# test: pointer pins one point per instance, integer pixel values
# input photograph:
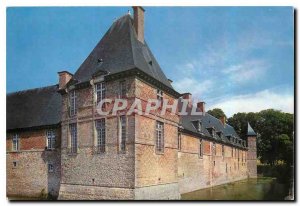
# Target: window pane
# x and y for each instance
(100, 92)
(123, 132)
(73, 131)
(159, 137)
(100, 127)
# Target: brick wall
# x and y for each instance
(195, 172)
(156, 173)
(30, 175)
(91, 171)
(251, 157)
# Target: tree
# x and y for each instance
(275, 133)
(218, 113)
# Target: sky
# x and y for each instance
(239, 59)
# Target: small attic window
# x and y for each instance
(199, 126)
(100, 60)
(212, 132)
(150, 62)
(220, 134)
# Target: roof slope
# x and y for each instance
(119, 50)
(32, 108)
(208, 121)
(250, 131)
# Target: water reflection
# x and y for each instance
(250, 189)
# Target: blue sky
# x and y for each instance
(234, 58)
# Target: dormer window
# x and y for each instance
(212, 132)
(159, 94)
(199, 126)
(220, 134)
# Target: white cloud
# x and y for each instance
(196, 87)
(256, 102)
(246, 71)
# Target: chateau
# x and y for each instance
(57, 142)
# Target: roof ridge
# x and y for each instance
(219, 119)
(31, 89)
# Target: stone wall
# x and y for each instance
(30, 176)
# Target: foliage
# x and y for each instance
(218, 113)
(275, 134)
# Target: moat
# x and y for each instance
(249, 189)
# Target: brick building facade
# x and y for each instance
(58, 143)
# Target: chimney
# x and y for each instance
(201, 107)
(138, 14)
(64, 78)
(187, 96)
(223, 120)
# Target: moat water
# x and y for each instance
(249, 189)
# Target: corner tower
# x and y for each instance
(251, 154)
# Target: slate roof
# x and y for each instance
(120, 50)
(33, 108)
(250, 131)
(209, 121)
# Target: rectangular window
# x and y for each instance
(223, 150)
(15, 141)
(100, 128)
(179, 141)
(14, 164)
(159, 136)
(238, 155)
(73, 106)
(199, 126)
(100, 92)
(201, 149)
(122, 133)
(122, 89)
(231, 151)
(73, 132)
(50, 168)
(214, 149)
(50, 139)
(159, 95)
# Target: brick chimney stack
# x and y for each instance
(64, 78)
(223, 120)
(188, 96)
(138, 14)
(201, 107)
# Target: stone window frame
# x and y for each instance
(51, 139)
(100, 91)
(214, 149)
(159, 137)
(72, 103)
(15, 142)
(160, 95)
(122, 133)
(100, 126)
(73, 128)
(201, 147)
(50, 168)
(179, 141)
(223, 151)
